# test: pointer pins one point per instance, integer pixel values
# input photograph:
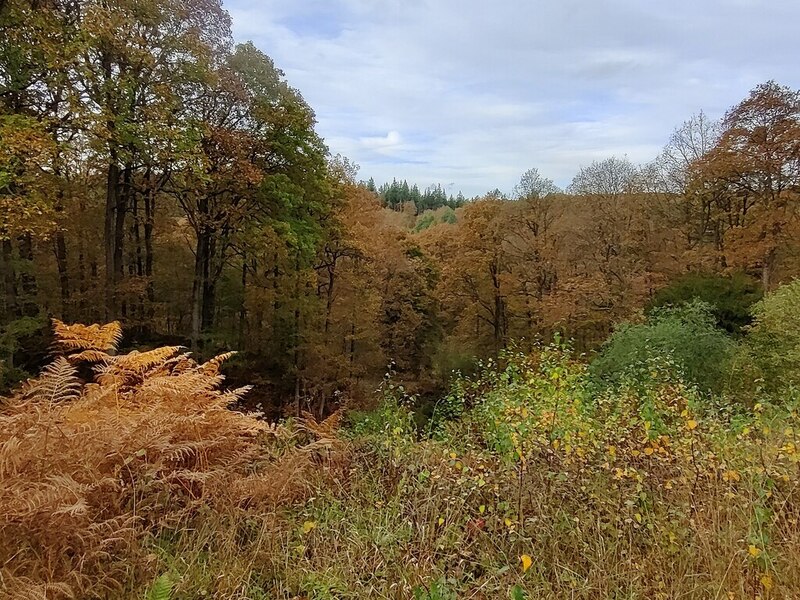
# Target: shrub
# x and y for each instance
(773, 342)
(731, 298)
(686, 335)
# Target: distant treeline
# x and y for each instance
(394, 195)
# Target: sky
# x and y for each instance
(471, 94)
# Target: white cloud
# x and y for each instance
(383, 144)
(483, 91)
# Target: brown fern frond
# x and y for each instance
(212, 366)
(122, 369)
(140, 362)
(24, 588)
(58, 383)
(321, 429)
(77, 337)
(89, 356)
(235, 395)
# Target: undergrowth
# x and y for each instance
(128, 477)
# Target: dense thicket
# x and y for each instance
(153, 172)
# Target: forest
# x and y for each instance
(232, 368)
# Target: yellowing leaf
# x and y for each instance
(731, 475)
(482, 508)
(691, 424)
(440, 521)
(766, 581)
(527, 561)
(753, 551)
(638, 517)
(308, 526)
(648, 451)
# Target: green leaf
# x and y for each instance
(517, 593)
(161, 589)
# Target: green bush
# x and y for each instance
(687, 336)
(773, 341)
(731, 297)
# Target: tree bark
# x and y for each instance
(29, 305)
(201, 264)
(63, 273)
(112, 204)
(9, 281)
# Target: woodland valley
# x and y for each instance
(231, 368)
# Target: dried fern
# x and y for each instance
(90, 469)
(77, 337)
(57, 383)
(212, 366)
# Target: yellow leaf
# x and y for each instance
(648, 451)
(638, 517)
(527, 561)
(508, 522)
(691, 424)
(308, 526)
(482, 508)
(754, 551)
(730, 475)
(440, 521)
(766, 581)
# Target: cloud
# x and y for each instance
(440, 91)
(382, 144)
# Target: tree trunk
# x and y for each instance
(60, 249)
(243, 310)
(149, 208)
(119, 234)
(766, 270)
(9, 282)
(112, 203)
(63, 274)
(329, 296)
(29, 305)
(199, 285)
